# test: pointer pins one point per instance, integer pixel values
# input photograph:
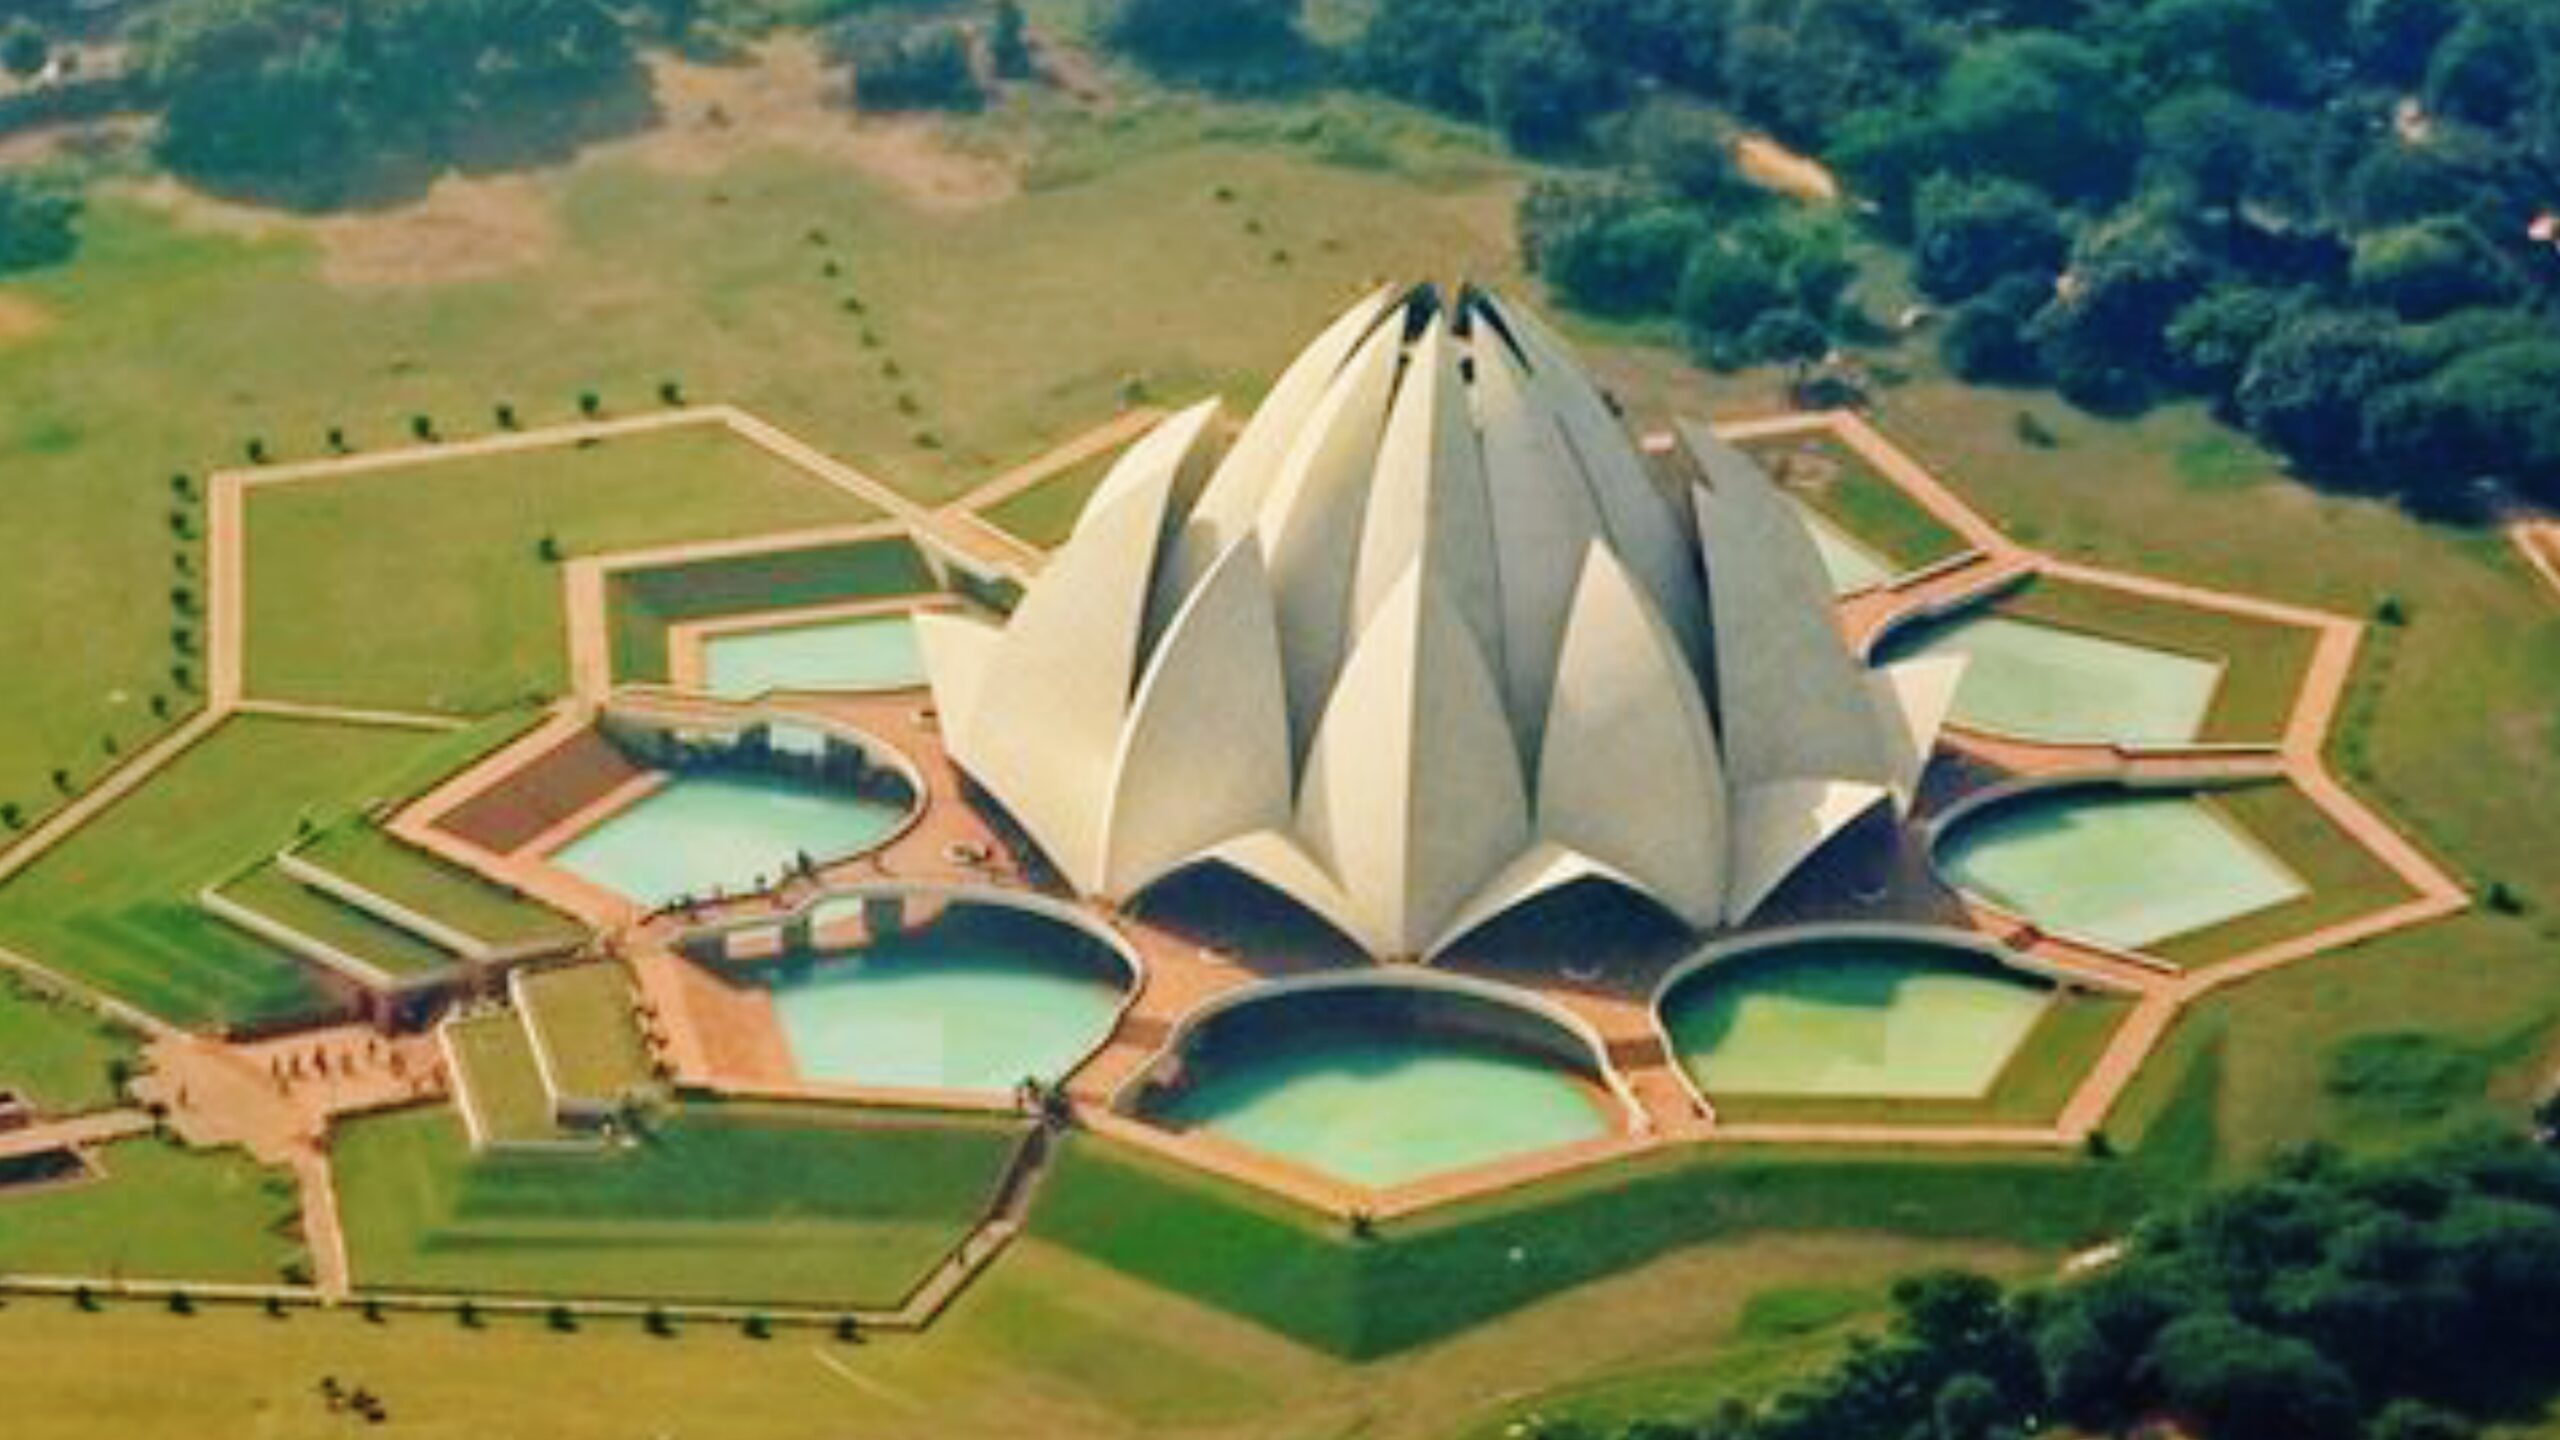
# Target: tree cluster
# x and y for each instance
(39, 219)
(2333, 1301)
(2128, 199)
(1235, 42)
(902, 64)
(303, 93)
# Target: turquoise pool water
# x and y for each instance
(869, 652)
(701, 832)
(1847, 560)
(1852, 1018)
(963, 1006)
(2121, 867)
(2042, 682)
(1382, 1106)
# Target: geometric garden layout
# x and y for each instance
(684, 984)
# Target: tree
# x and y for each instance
(1009, 41)
(2241, 1381)
(2395, 38)
(898, 66)
(1428, 50)
(1968, 235)
(39, 221)
(1786, 336)
(2042, 108)
(1190, 34)
(2206, 143)
(2104, 335)
(2212, 336)
(2416, 1420)
(1985, 340)
(1627, 264)
(2429, 268)
(2243, 45)
(1683, 148)
(24, 49)
(1542, 87)
(1725, 287)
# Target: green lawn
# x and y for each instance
(436, 597)
(159, 1213)
(749, 1204)
(411, 877)
(581, 1017)
(2030, 1090)
(499, 1078)
(2263, 663)
(1447, 1270)
(1836, 481)
(56, 1052)
(115, 904)
(288, 902)
(1045, 515)
(645, 602)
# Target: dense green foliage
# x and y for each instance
(900, 65)
(2389, 1300)
(2330, 217)
(306, 95)
(39, 218)
(1226, 40)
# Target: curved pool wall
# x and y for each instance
(1384, 1080)
(2055, 684)
(859, 654)
(744, 798)
(2115, 865)
(1842, 1011)
(788, 949)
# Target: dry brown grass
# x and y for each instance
(1765, 162)
(22, 319)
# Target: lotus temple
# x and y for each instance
(1431, 779)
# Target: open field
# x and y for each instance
(581, 1016)
(725, 1203)
(402, 873)
(472, 620)
(56, 1052)
(1046, 513)
(1836, 481)
(114, 905)
(235, 1219)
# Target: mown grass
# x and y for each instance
(1837, 482)
(498, 1078)
(2344, 879)
(1045, 515)
(114, 905)
(642, 604)
(159, 1212)
(748, 1204)
(1445, 1271)
(411, 877)
(288, 902)
(2031, 1088)
(437, 594)
(581, 1017)
(57, 1053)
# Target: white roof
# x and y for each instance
(1428, 647)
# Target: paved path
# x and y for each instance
(349, 715)
(2538, 540)
(79, 1132)
(1120, 430)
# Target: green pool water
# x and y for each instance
(964, 1006)
(1847, 560)
(1382, 1106)
(701, 832)
(870, 652)
(2125, 868)
(2042, 682)
(1852, 1018)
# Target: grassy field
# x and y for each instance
(581, 1017)
(643, 603)
(1046, 513)
(56, 1052)
(409, 876)
(752, 1205)
(2345, 879)
(114, 905)
(2030, 1090)
(288, 902)
(472, 621)
(236, 1219)
(499, 1078)
(1848, 492)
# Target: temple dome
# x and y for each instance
(1427, 641)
